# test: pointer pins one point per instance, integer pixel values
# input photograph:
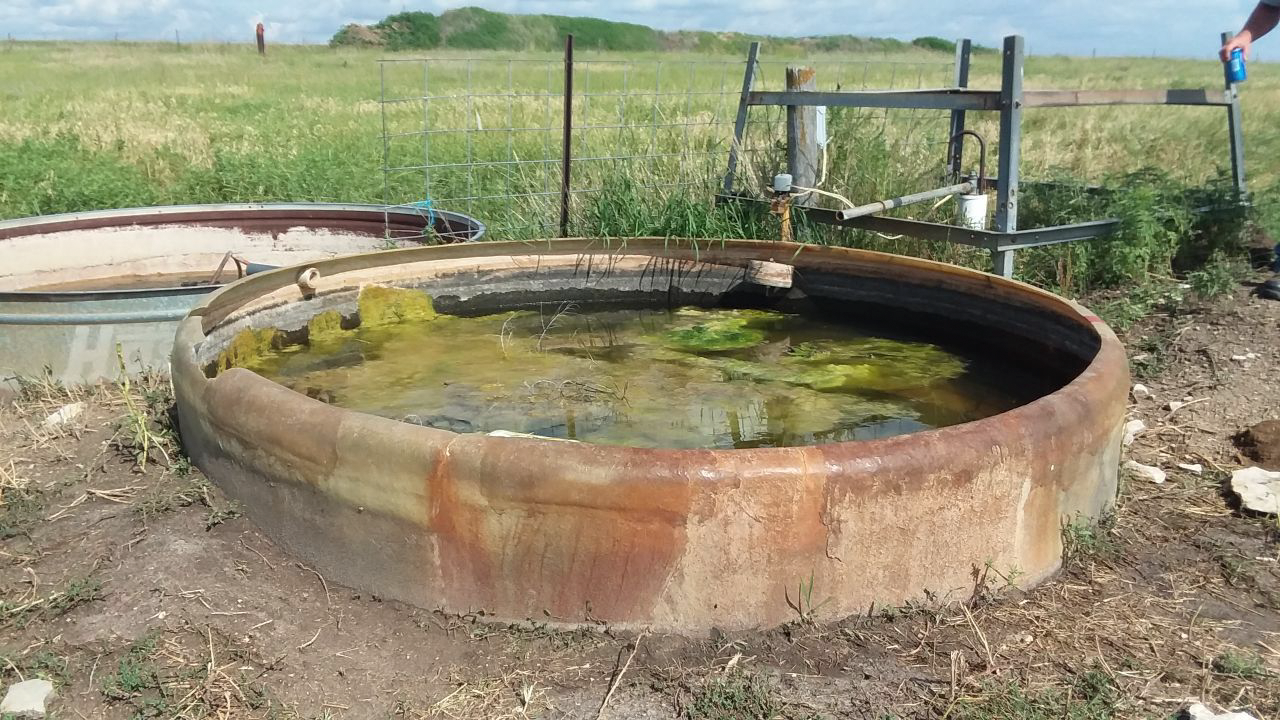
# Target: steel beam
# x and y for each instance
(740, 123)
(1010, 150)
(955, 160)
(935, 99)
(1235, 131)
(1040, 237)
(1086, 98)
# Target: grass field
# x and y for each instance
(108, 125)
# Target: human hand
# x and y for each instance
(1242, 40)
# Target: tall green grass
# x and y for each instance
(85, 126)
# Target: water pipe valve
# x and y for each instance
(781, 203)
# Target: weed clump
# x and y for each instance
(736, 695)
(1240, 664)
(1092, 695)
(1085, 538)
(1164, 227)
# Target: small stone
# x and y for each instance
(1150, 472)
(1131, 430)
(1141, 392)
(63, 415)
(26, 699)
(1197, 711)
(1193, 468)
(1259, 489)
(1174, 405)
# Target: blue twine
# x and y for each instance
(431, 213)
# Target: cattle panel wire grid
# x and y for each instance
(484, 136)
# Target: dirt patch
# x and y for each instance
(1261, 443)
(144, 594)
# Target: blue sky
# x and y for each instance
(1114, 27)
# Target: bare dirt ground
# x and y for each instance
(145, 594)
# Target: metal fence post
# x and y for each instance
(963, 49)
(1235, 132)
(1010, 150)
(566, 158)
(802, 132)
(740, 124)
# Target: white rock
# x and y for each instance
(514, 434)
(1141, 392)
(1245, 357)
(1174, 405)
(1194, 469)
(1150, 472)
(26, 699)
(63, 415)
(1131, 430)
(1259, 489)
(1197, 711)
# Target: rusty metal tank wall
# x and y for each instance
(72, 334)
(676, 539)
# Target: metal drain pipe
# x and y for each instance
(882, 205)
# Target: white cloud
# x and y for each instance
(1114, 27)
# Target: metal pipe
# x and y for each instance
(957, 140)
(566, 159)
(882, 205)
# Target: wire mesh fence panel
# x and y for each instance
(484, 136)
(477, 136)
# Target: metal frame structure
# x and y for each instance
(1009, 101)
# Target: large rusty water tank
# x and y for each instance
(681, 539)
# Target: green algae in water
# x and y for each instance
(685, 378)
(248, 348)
(714, 332)
(380, 305)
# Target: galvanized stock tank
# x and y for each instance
(74, 286)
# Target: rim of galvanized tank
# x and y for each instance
(1107, 367)
(360, 215)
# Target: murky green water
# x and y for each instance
(684, 379)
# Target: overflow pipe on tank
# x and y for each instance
(781, 203)
(971, 206)
(882, 205)
(307, 280)
(973, 185)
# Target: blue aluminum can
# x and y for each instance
(1235, 68)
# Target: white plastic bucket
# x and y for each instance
(972, 211)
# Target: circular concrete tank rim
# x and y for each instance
(679, 539)
(1106, 336)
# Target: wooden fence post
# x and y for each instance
(802, 133)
